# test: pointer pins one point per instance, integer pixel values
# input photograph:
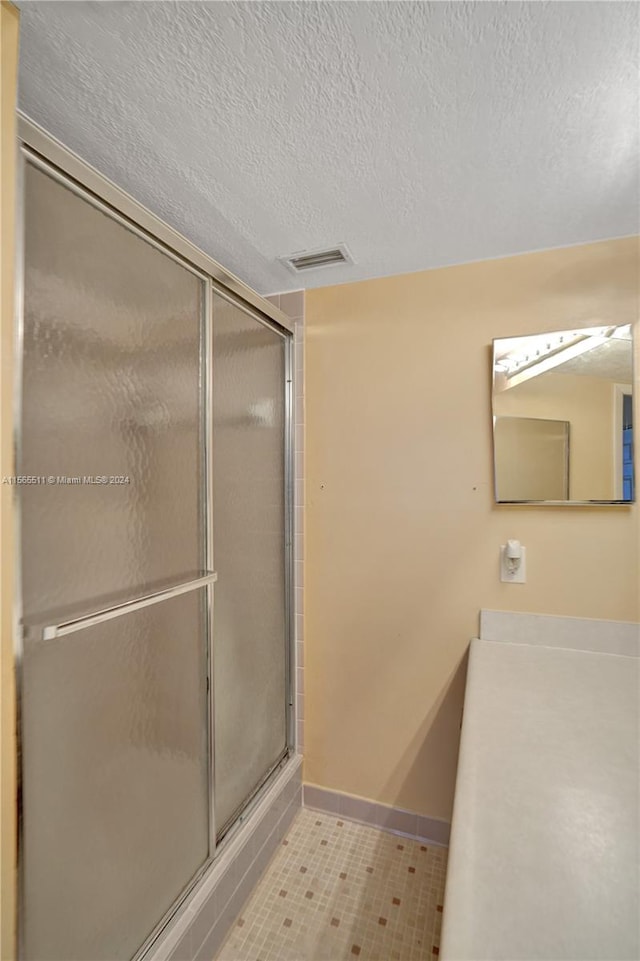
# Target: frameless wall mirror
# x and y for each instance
(563, 417)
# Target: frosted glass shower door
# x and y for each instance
(250, 625)
(115, 717)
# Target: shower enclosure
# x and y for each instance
(155, 529)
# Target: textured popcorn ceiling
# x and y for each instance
(420, 134)
(612, 360)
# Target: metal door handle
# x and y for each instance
(107, 613)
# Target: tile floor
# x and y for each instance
(337, 890)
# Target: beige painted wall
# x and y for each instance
(587, 403)
(8, 67)
(402, 536)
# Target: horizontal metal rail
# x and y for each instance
(107, 613)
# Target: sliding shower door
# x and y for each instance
(115, 594)
(251, 623)
(153, 433)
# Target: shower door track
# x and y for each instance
(42, 150)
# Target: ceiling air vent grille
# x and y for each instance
(312, 259)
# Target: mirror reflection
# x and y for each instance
(563, 416)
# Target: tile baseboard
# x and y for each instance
(394, 820)
(200, 926)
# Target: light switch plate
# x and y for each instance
(519, 576)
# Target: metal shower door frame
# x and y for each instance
(37, 147)
(254, 797)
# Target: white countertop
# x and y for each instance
(544, 860)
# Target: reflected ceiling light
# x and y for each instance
(548, 351)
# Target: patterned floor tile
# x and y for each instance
(337, 891)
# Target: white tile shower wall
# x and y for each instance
(396, 820)
(205, 919)
(292, 304)
(571, 633)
